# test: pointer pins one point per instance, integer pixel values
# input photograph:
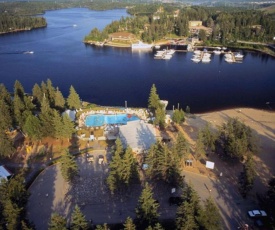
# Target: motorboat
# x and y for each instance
(205, 60)
(157, 46)
(238, 56)
(141, 46)
(167, 56)
(196, 60)
(171, 51)
(197, 52)
(217, 52)
(29, 52)
(229, 60)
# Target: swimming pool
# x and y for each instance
(95, 120)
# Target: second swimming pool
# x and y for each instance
(95, 120)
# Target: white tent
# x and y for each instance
(138, 135)
(70, 113)
(4, 173)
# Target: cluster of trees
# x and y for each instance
(191, 214)
(10, 23)
(123, 167)
(13, 201)
(38, 116)
(156, 107)
(227, 25)
(164, 162)
(234, 141)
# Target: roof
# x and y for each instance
(138, 135)
(4, 173)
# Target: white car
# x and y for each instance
(257, 213)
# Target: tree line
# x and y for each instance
(227, 25)
(38, 115)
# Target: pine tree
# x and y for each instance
(178, 116)
(188, 211)
(11, 214)
(18, 108)
(129, 225)
(57, 124)
(5, 95)
(19, 89)
(5, 116)
(157, 226)
(33, 128)
(68, 126)
(69, 167)
(73, 100)
(102, 227)
(129, 165)
(7, 148)
(59, 101)
(37, 94)
(147, 208)
(57, 222)
(51, 92)
(78, 221)
(182, 146)
(209, 217)
(154, 101)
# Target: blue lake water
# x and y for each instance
(111, 76)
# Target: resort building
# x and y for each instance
(196, 26)
(122, 36)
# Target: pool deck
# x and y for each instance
(140, 113)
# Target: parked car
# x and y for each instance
(256, 213)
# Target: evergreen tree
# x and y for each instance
(11, 213)
(33, 128)
(178, 116)
(78, 221)
(208, 138)
(19, 90)
(57, 124)
(18, 108)
(7, 148)
(59, 101)
(147, 208)
(247, 177)
(68, 127)
(5, 95)
(182, 146)
(129, 225)
(209, 217)
(73, 100)
(200, 147)
(188, 211)
(37, 94)
(153, 102)
(50, 92)
(157, 226)
(102, 227)
(69, 167)
(129, 165)
(57, 222)
(5, 116)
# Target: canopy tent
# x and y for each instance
(70, 113)
(4, 173)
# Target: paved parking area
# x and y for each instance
(50, 193)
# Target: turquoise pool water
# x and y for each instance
(95, 120)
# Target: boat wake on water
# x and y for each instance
(17, 52)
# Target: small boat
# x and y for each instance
(141, 46)
(196, 60)
(171, 51)
(197, 52)
(217, 52)
(29, 52)
(229, 60)
(224, 48)
(157, 46)
(238, 56)
(205, 60)
(167, 56)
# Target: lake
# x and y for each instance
(110, 76)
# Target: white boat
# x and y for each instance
(238, 56)
(217, 52)
(141, 46)
(229, 60)
(171, 51)
(196, 60)
(157, 46)
(29, 52)
(167, 56)
(207, 55)
(197, 52)
(224, 48)
(205, 60)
